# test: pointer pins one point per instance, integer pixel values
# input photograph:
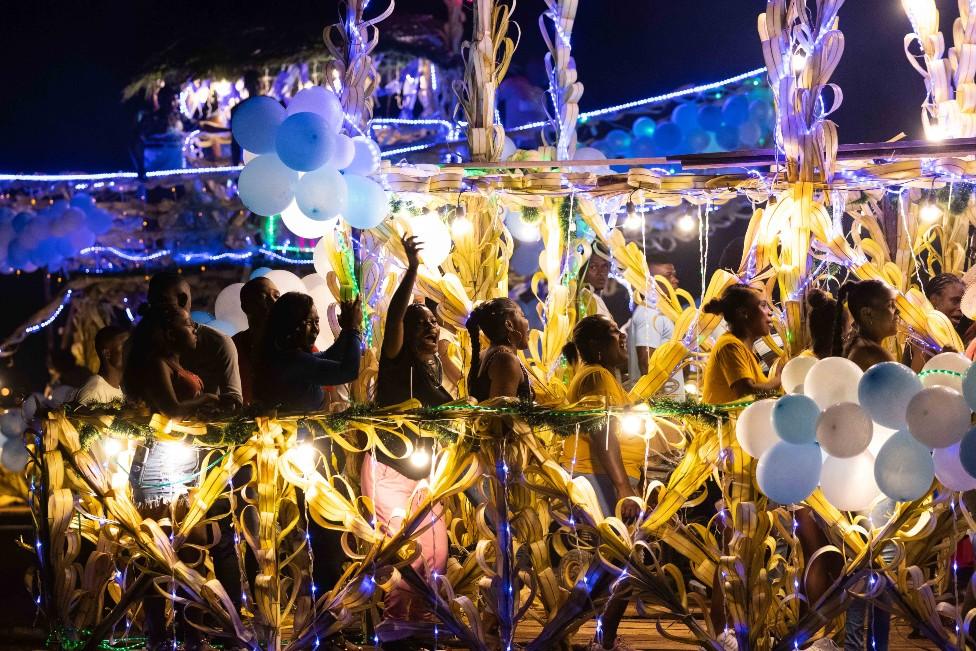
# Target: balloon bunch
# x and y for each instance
(303, 167)
(744, 120)
(229, 318)
(859, 435)
(46, 238)
(14, 423)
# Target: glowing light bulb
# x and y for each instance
(930, 213)
(304, 457)
(420, 458)
(631, 424)
(798, 61)
(691, 389)
(461, 227)
(687, 223)
(111, 447)
(633, 221)
(935, 132)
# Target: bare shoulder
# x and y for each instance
(867, 353)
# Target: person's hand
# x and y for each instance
(351, 314)
(629, 509)
(412, 248)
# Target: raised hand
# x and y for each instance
(351, 314)
(412, 248)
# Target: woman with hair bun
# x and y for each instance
(498, 372)
(733, 370)
(872, 307)
(821, 308)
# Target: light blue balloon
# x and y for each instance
(686, 116)
(904, 468)
(304, 141)
(226, 328)
(697, 140)
(368, 204)
(667, 138)
(727, 137)
(788, 473)
(969, 387)
(710, 117)
(643, 127)
(618, 139)
(795, 419)
(199, 316)
(255, 123)
(749, 134)
(260, 271)
(266, 185)
(643, 147)
(884, 391)
(967, 452)
(322, 194)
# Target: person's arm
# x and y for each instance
(505, 374)
(159, 380)
(452, 371)
(737, 368)
(350, 319)
(642, 332)
(337, 365)
(225, 353)
(748, 386)
(393, 332)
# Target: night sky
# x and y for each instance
(66, 64)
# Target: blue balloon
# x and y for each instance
(618, 140)
(266, 185)
(795, 418)
(967, 452)
(787, 473)
(667, 138)
(735, 111)
(727, 137)
(969, 387)
(904, 468)
(368, 204)
(760, 111)
(749, 134)
(83, 201)
(260, 271)
(305, 141)
(644, 127)
(255, 123)
(686, 116)
(322, 194)
(884, 391)
(710, 117)
(643, 147)
(21, 220)
(697, 140)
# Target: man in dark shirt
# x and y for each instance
(257, 297)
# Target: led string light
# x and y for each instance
(48, 321)
(237, 256)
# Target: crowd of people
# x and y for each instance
(179, 368)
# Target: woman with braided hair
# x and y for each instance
(498, 371)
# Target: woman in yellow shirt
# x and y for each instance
(733, 371)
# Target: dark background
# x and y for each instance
(66, 64)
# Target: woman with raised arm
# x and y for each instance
(409, 368)
(498, 372)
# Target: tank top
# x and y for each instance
(186, 385)
(480, 387)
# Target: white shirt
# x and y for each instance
(96, 389)
(649, 328)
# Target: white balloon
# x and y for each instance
(313, 280)
(323, 299)
(754, 428)
(14, 456)
(832, 380)
(949, 470)
(322, 194)
(286, 281)
(366, 157)
(343, 153)
(590, 153)
(319, 100)
(298, 223)
(795, 373)
(434, 236)
(227, 307)
(956, 363)
(62, 394)
(509, 149)
(320, 259)
(844, 430)
(849, 484)
(938, 417)
(521, 230)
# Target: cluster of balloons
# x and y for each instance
(742, 121)
(229, 318)
(13, 424)
(301, 167)
(859, 435)
(46, 238)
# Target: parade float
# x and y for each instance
(533, 556)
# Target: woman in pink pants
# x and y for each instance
(409, 368)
